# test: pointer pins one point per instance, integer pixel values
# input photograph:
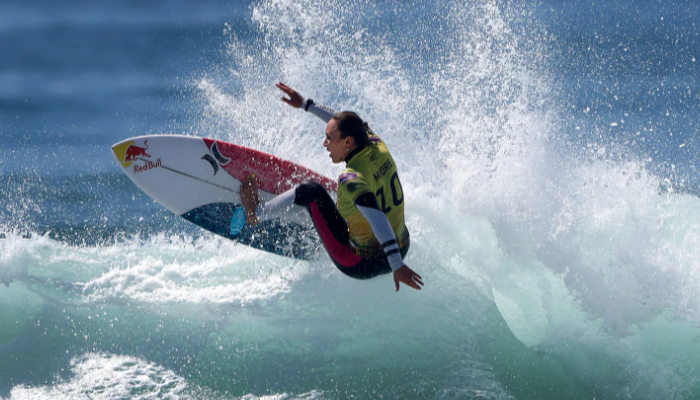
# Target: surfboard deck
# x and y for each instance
(199, 179)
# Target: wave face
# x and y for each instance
(547, 152)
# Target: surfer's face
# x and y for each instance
(337, 146)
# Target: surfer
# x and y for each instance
(365, 234)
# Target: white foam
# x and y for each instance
(108, 376)
(576, 249)
(98, 376)
(210, 270)
(313, 395)
(161, 269)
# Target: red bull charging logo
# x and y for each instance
(128, 152)
(133, 152)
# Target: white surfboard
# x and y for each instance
(199, 179)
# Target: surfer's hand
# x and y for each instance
(294, 99)
(407, 277)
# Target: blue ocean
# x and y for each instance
(548, 152)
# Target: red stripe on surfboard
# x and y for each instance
(273, 174)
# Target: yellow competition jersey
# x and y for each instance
(373, 170)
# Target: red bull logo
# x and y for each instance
(133, 152)
(128, 152)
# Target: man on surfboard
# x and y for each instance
(365, 234)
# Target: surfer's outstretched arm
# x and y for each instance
(369, 207)
(297, 101)
(318, 110)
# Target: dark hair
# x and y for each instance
(350, 124)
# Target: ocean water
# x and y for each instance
(548, 151)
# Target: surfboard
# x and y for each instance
(199, 179)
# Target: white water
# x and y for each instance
(549, 268)
(584, 257)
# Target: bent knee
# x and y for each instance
(308, 192)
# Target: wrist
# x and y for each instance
(395, 261)
(306, 104)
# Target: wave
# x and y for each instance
(553, 269)
(584, 253)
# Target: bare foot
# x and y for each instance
(249, 198)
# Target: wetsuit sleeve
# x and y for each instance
(276, 206)
(368, 206)
(318, 110)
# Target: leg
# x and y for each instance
(333, 230)
(328, 222)
(369, 268)
(250, 199)
(330, 225)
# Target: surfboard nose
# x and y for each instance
(119, 151)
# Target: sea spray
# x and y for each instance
(558, 263)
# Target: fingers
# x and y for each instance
(288, 91)
(295, 100)
(413, 284)
(281, 86)
(417, 281)
(414, 281)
